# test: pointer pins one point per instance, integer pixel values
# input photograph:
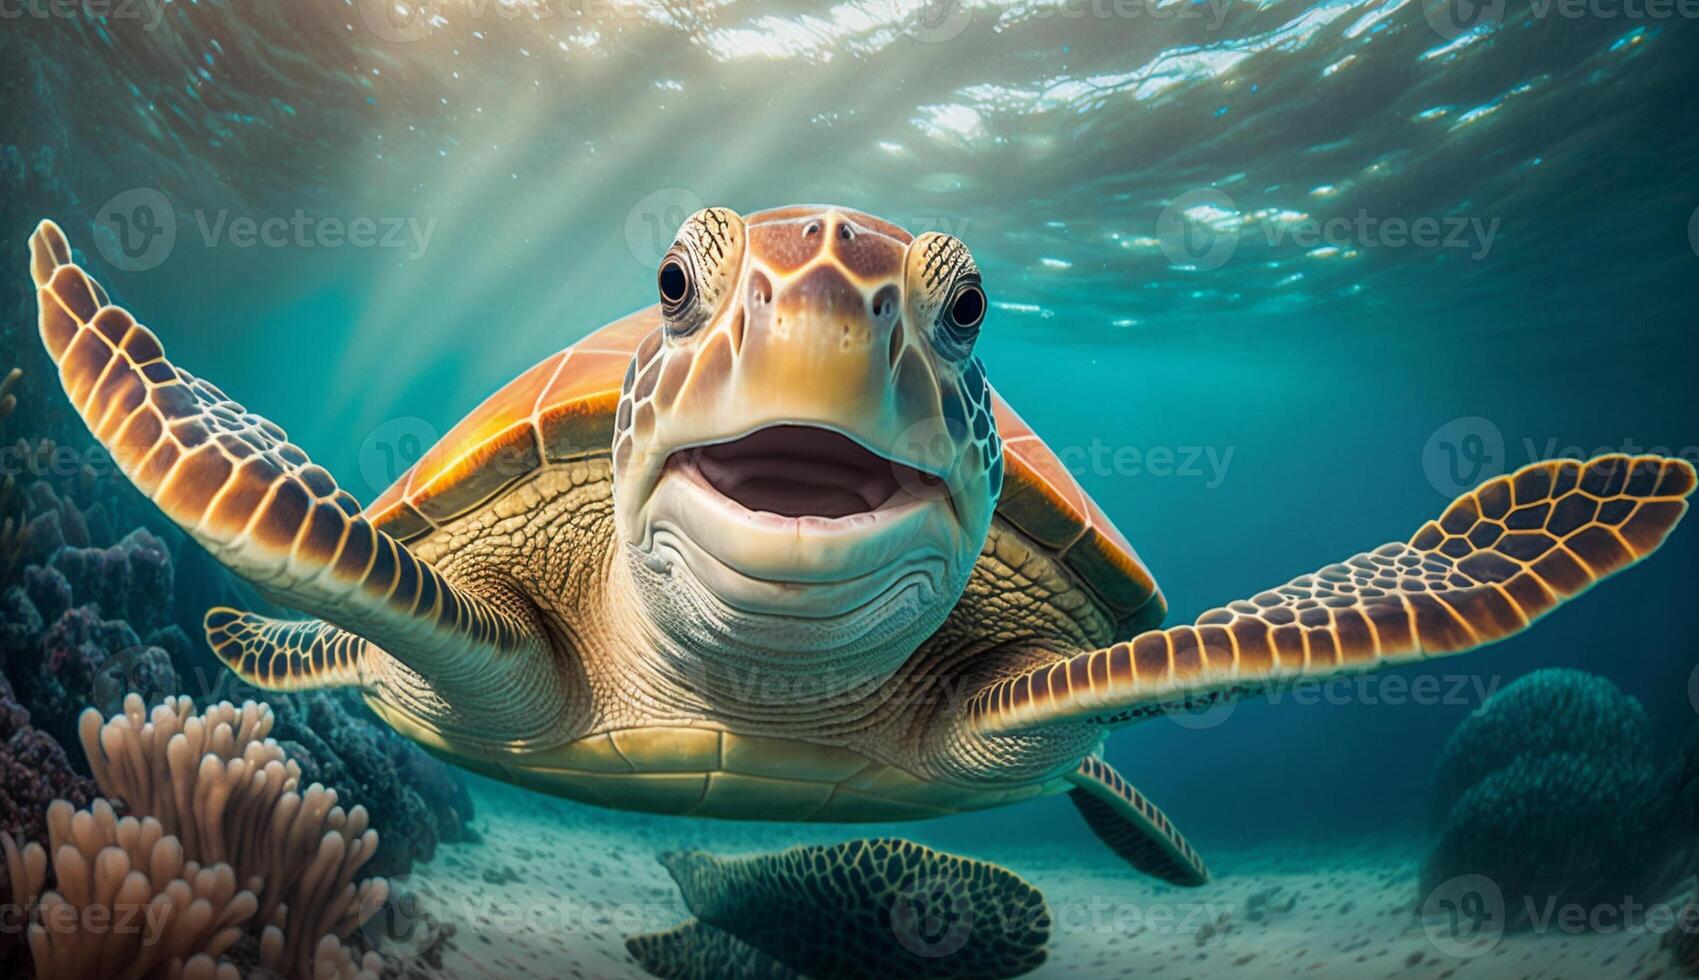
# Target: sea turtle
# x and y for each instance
(773, 548)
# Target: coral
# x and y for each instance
(84, 624)
(34, 771)
(1543, 713)
(128, 903)
(76, 606)
(224, 862)
(1681, 780)
(218, 784)
(1550, 791)
(1577, 828)
(73, 651)
(416, 800)
(130, 580)
(89, 617)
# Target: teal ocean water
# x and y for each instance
(1276, 279)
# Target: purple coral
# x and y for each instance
(85, 621)
(416, 801)
(34, 770)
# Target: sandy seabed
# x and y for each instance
(553, 889)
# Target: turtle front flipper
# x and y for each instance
(1132, 826)
(284, 655)
(1498, 559)
(234, 482)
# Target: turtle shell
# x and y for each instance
(563, 409)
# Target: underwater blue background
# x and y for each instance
(1348, 385)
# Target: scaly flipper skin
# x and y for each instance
(233, 481)
(289, 655)
(1132, 826)
(1494, 562)
(871, 908)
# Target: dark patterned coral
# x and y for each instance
(132, 580)
(1543, 713)
(90, 601)
(415, 800)
(34, 771)
(1572, 828)
(1550, 792)
(88, 615)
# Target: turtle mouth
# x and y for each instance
(799, 471)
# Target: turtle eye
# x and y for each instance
(676, 285)
(962, 313)
(943, 289)
(966, 309)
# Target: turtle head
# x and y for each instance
(805, 457)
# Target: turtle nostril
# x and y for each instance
(812, 228)
(845, 232)
(885, 303)
(760, 290)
